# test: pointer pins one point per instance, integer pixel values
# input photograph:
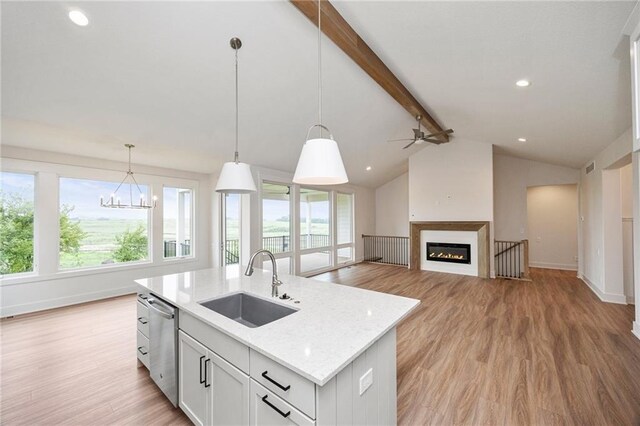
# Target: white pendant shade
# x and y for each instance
(320, 163)
(235, 178)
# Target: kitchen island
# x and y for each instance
(331, 361)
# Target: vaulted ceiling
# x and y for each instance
(160, 75)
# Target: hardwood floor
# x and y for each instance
(475, 352)
(494, 352)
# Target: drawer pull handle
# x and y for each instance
(284, 388)
(285, 415)
(201, 379)
(141, 351)
(142, 320)
(143, 296)
(206, 385)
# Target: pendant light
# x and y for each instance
(320, 162)
(236, 177)
(115, 201)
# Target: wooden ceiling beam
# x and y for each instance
(344, 36)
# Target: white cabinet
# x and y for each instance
(192, 394)
(268, 409)
(211, 391)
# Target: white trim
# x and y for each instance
(43, 305)
(636, 329)
(631, 300)
(561, 266)
(620, 299)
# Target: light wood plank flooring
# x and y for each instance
(475, 352)
(494, 352)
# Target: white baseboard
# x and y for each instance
(620, 299)
(636, 329)
(631, 300)
(561, 266)
(42, 305)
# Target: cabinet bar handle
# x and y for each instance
(201, 379)
(283, 414)
(140, 350)
(206, 385)
(284, 388)
(142, 320)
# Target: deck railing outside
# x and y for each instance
(170, 248)
(277, 244)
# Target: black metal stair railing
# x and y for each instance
(386, 249)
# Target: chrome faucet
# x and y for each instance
(275, 282)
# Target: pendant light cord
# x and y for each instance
(320, 66)
(235, 155)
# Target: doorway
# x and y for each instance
(552, 222)
(231, 232)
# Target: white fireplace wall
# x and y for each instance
(456, 237)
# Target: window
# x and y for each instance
(91, 235)
(276, 218)
(344, 220)
(276, 225)
(314, 219)
(17, 192)
(178, 218)
(231, 228)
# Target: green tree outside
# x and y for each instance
(131, 245)
(16, 234)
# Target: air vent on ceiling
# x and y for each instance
(590, 167)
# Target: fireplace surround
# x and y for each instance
(480, 228)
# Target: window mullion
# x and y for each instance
(46, 223)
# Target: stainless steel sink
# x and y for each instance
(248, 310)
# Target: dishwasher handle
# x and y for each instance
(151, 302)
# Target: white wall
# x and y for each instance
(552, 224)
(51, 288)
(392, 207)
(452, 182)
(626, 210)
(594, 203)
(512, 176)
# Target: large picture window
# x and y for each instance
(178, 219)
(91, 235)
(17, 192)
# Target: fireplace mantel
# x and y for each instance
(482, 228)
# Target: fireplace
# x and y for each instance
(449, 252)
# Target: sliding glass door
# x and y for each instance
(315, 230)
(277, 225)
(230, 229)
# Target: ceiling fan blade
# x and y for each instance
(409, 145)
(448, 131)
(436, 141)
(397, 140)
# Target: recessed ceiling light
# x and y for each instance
(79, 18)
(368, 168)
(522, 139)
(523, 83)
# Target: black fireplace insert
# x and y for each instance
(449, 252)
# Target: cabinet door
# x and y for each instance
(229, 393)
(268, 409)
(193, 395)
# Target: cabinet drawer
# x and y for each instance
(228, 348)
(290, 386)
(142, 349)
(142, 319)
(267, 409)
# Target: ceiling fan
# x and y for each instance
(419, 136)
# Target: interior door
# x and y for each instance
(193, 395)
(229, 393)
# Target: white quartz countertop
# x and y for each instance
(334, 323)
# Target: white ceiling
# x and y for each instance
(160, 75)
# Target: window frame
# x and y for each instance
(293, 244)
(47, 207)
(35, 238)
(193, 244)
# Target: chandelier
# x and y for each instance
(115, 202)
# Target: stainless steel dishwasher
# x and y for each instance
(163, 336)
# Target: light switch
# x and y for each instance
(366, 381)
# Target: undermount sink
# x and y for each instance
(248, 310)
